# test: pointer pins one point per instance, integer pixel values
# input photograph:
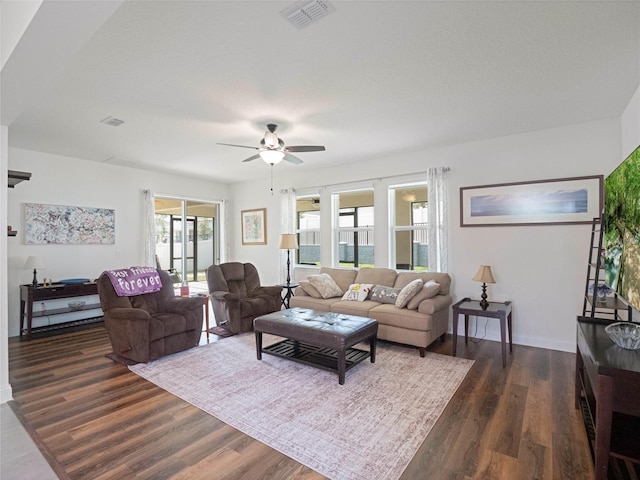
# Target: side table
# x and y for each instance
(501, 311)
(288, 293)
(205, 303)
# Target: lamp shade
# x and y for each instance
(288, 241)
(34, 262)
(484, 275)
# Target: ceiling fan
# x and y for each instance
(272, 149)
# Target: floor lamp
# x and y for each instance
(288, 242)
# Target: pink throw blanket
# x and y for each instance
(131, 281)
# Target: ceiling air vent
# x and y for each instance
(305, 12)
(111, 121)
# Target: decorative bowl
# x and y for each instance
(625, 334)
(77, 305)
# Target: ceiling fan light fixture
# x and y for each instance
(273, 151)
(272, 157)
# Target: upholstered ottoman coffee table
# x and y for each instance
(324, 340)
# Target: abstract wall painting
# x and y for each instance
(66, 225)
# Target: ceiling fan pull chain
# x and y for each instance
(272, 179)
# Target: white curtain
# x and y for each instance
(149, 226)
(287, 225)
(225, 242)
(438, 212)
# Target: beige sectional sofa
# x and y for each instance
(419, 327)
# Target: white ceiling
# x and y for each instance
(370, 80)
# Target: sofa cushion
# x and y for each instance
(342, 276)
(325, 285)
(429, 290)
(309, 289)
(360, 309)
(384, 294)
(358, 292)
(401, 317)
(319, 304)
(408, 292)
(376, 276)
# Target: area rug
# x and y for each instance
(369, 428)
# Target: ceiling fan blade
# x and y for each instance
(234, 145)
(292, 159)
(251, 158)
(305, 148)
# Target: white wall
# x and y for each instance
(5, 389)
(541, 269)
(250, 196)
(61, 180)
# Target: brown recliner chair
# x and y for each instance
(146, 327)
(237, 297)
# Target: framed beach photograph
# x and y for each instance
(558, 201)
(254, 226)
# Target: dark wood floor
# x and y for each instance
(95, 420)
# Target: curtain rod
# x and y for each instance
(446, 169)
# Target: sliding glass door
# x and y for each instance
(187, 238)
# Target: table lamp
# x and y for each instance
(485, 276)
(288, 242)
(35, 263)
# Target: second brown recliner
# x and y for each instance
(237, 296)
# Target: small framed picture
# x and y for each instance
(254, 226)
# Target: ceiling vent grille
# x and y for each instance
(111, 121)
(304, 13)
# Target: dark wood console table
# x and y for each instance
(30, 295)
(501, 311)
(607, 391)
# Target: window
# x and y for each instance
(308, 228)
(411, 217)
(409, 213)
(355, 229)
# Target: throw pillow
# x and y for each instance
(309, 289)
(429, 290)
(325, 285)
(383, 294)
(358, 292)
(408, 292)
